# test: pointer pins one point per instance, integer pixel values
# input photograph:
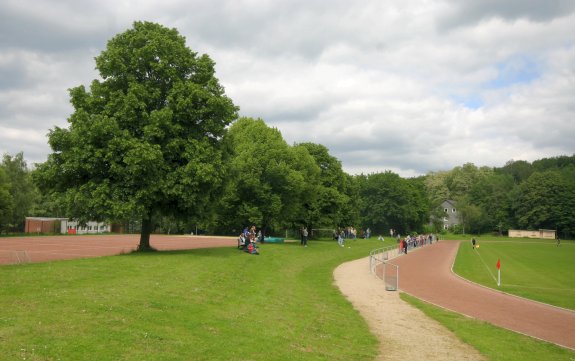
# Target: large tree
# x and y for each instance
(267, 181)
(492, 195)
(144, 141)
(6, 201)
(22, 190)
(389, 201)
(326, 205)
(546, 200)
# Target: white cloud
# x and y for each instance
(409, 86)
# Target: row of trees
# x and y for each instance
(267, 182)
(157, 142)
(521, 195)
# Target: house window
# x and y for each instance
(445, 226)
(445, 210)
(453, 210)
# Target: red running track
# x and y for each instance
(426, 274)
(52, 248)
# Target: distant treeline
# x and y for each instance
(277, 186)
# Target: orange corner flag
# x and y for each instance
(498, 264)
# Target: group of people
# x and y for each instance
(248, 239)
(351, 233)
(415, 241)
(341, 234)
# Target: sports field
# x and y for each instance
(535, 269)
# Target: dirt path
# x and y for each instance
(396, 323)
(426, 274)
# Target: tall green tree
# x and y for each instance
(520, 170)
(23, 191)
(268, 183)
(472, 218)
(145, 140)
(492, 194)
(462, 178)
(327, 204)
(6, 201)
(389, 201)
(436, 187)
(546, 200)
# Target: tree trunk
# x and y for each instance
(144, 245)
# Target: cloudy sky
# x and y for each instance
(410, 86)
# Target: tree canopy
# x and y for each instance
(389, 201)
(145, 140)
(267, 181)
(18, 193)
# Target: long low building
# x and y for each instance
(64, 226)
(542, 233)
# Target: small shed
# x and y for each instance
(43, 224)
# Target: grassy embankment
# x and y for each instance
(211, 304)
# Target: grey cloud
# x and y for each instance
(470, 12)
(371, 81)
(20, 29)
(13, 75)
(279, 28)
(35, 150)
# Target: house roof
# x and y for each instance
(452, 202)
(46, 219)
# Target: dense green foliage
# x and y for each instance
(18, 194)
(144, 141)
(519, 195)
(333, 200)
(267, 181)
(389, 201)
(216, 304)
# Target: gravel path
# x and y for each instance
(405, 333)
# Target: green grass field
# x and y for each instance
(534, 269)
(212, 304)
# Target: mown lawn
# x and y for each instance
(211, 304)
(535, 269)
